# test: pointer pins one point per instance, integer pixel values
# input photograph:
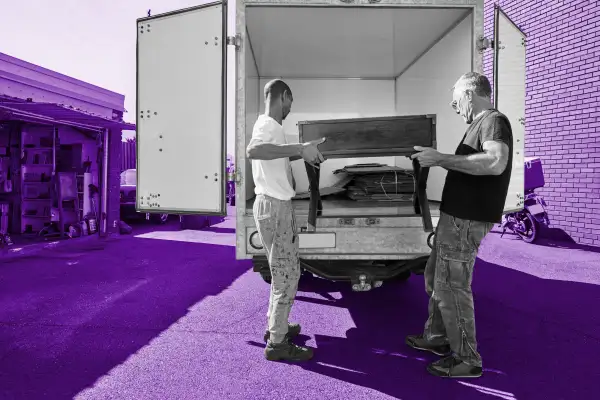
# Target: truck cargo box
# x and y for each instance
(376, 61)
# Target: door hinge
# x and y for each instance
(235, 41)
(484, 43)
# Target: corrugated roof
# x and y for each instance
(58, 114)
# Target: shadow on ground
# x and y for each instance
(555, 237)
(68, 317)
(537, 338)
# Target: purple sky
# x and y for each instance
(93, 41)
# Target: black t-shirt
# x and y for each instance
(479, 197)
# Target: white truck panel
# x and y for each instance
(509, 79)
(181, 112)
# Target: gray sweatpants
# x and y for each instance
(448, 277)
(276, 224)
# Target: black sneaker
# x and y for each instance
(452, 367)
(420, 343)
(287, 351)
(293, 331)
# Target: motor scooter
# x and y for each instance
(527, 222)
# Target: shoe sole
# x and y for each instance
(288, 359)
(267, 335)
(435, 373)
(437, 353)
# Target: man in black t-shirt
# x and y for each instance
(472, 201)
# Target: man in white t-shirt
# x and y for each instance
(274, 216)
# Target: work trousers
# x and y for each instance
(448, 278)
(276, 224)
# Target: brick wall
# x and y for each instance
(562, 105)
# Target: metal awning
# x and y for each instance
(57, 114)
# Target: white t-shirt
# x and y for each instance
(272, 177)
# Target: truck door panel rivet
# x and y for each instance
(205, 176)
(159, 149)
(160, 136)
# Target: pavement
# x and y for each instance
(170, 314)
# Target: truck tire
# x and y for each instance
(159, 219)
(404, 276)
(266, 277)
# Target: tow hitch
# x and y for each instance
(364, 284)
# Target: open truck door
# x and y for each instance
(509, 98)
(181, 111)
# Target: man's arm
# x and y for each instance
(258, 150)
(491, 162)
(496, 136)
(262, 146)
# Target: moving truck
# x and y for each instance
(350, 64)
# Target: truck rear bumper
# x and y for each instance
(363, 275)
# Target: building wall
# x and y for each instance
(114, 181)
(562, 112)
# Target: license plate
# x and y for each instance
(309, 240)
(535, 209)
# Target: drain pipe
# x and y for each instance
(104, 199)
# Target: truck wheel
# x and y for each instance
(159, 218)
(266, 277)
(404, 276)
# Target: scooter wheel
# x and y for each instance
(531, 221)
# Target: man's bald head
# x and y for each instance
(276, 88)
(278, 96)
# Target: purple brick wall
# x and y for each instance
(562, 105)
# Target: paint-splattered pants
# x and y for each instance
(448, 277)
(276, 224)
